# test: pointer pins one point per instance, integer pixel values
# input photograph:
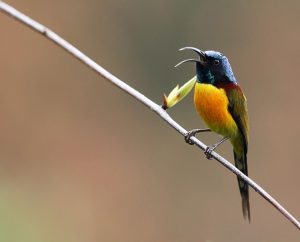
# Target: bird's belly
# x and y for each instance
(212, 105)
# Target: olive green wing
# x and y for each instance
(238, 109)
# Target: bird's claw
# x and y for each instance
(188, 135)
(208, 151)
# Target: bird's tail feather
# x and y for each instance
(241, 164)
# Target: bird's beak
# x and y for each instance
(202, 56)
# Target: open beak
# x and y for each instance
(202, 56)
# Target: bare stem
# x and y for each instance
(140, 97)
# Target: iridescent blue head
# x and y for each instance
(212, 67)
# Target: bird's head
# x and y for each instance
(211, 67)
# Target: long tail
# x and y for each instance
(241, 164)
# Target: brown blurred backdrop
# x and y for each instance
(81, 161)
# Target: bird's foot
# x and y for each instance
(208, 151)
(193, 132)
(188, 135)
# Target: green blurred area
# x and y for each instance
(82, 161)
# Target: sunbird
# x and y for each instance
(221, 104)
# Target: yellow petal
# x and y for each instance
(177, 94)
(174, 92)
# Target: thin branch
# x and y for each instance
(140, 97)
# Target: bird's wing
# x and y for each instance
(237, 107)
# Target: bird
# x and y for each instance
(220, 102)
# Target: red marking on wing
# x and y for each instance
(228, 86)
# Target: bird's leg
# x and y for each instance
(189, 134)
(210, 149)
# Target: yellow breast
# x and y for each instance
(212, 105)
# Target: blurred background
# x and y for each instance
(82, 161)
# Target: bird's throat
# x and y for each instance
(205, 76)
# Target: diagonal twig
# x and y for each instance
(140, 97)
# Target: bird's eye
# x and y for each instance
(216, 62)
